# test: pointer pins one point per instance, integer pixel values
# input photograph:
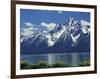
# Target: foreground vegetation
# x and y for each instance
(43, 64)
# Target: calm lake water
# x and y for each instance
(51, 58)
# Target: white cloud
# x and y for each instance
(49, 26)
(28, 31)
(32, 28)
(44, 24)
(28, 24)
(84, 22)
(60, 12)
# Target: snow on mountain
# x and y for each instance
(54, 37)
(49, 40)
(27, 33)
(70, 34)
(85, 26)
(75, 39)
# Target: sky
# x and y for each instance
(41, 19)
(34, 21)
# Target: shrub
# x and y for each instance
(59, 64)
(33, 66)
(24, 65)
(43, 64)
(85, 63)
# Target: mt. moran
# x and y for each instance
(70, 36)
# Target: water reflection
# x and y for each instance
(51, 58)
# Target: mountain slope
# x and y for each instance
(72, 36)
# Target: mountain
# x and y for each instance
(71, 36)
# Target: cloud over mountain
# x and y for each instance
(49, 26)
(28, 24)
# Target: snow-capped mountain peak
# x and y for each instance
(85, 26)
(69, 34)
(75, 39)
(53, 38)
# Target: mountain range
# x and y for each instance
(70, 36)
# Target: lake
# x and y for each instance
(51, 58)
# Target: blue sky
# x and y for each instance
(36, 17)
(33, 21)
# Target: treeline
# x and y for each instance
(43, 64)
